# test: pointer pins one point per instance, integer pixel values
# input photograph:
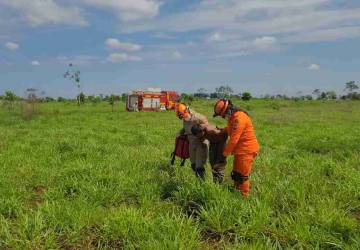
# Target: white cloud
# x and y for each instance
(265, 42)
(12, 46)
(325, 35)
(254, 18)
(35, 63)
(41, 12)
(236, 27)
(128, 10)
(162, 35)
(122, 57)
(230, 14)
(115, 44)
(177, 55)
(314, 67)
(215, 37)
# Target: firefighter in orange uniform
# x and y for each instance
(242, 143)
(198, 148)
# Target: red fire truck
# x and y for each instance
(151, 100)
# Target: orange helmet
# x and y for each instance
(221, 107)
(182, 111)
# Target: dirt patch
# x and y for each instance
(283, 240)
(209, 235)
(213, 237)
(37, 198)
(36, 201)
(357, 215)
(90, 238)
(40, 190)
(2, 146)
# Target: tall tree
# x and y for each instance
(202, 91)
(81, 98)
(10, 96)
(331, 95)
(74, 75)
(317, 93)
(111, 101)
(323, 96)
(350, 87)
(31, 97)
(224, 91)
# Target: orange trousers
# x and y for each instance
(243, 165)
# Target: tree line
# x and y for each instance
(32, 95)
(225, 91)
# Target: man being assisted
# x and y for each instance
(217, 138)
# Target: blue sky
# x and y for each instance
(261, 46)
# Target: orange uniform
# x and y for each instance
(244, 146)
(242, 135)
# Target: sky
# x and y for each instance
(261, 46)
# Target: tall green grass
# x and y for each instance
(85, 177)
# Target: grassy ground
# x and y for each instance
(85, 177)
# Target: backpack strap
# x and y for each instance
(172, 158)
(173, 154)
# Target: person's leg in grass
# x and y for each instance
(241, 172)
(192, 151)
(201, 158)
(217, 162)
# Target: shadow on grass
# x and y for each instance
(172, 185)
(90, 237)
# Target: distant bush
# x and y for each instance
(30, 104)
(111, 101)
(10, 98)
(186, 98)
(246, 96)
(275, 105)
(61, 99)
(351, 96)
(201, 95)
(331, 95)
(96, 100)
(81, 98)
(48, 99)
(124, 97)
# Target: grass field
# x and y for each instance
(85, 177)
